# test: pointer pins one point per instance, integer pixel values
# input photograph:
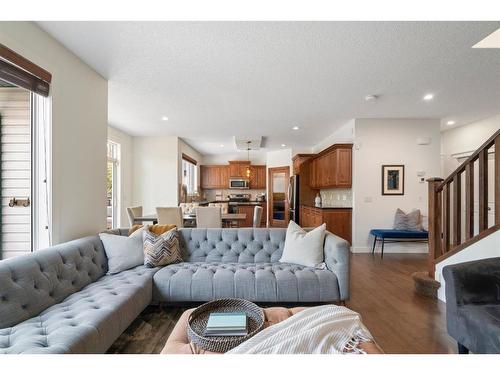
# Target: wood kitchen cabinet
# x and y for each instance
(298, 162)
(214, 176)
(337, 220)
(217, 176)
(332, 168)
(238, 168)
(257, 177)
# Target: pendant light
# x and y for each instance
(248, 172)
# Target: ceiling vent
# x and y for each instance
(245, 144)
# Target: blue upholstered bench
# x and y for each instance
(396, 235)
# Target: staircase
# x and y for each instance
(455, 221)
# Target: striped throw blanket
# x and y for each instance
(327, 329)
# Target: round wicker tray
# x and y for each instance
(198, 319)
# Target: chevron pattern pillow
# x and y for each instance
(160, 250)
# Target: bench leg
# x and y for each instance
(374, 242)
(383, 241)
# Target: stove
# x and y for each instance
(234, 199)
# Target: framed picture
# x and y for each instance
(393, 179)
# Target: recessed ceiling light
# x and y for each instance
(221, 145)
(164, 118)
(295, 128)
(283, 145)
(371, 97)
(428, 97)
(450, 123)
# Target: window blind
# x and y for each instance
(21, 72)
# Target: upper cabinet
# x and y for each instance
(299, 160)
(238, 168)
(257, 177)
(332, 168)
(217, 176)
(214, 176)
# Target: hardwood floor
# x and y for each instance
(400, 320)
(381, 291)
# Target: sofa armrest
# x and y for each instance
(337, 260)
(473, 282)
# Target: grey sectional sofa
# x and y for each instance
(60, 300)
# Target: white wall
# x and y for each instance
(390, 141)
(156, 172)
(464, 140)
(344, 134)
(485, 248)
(79, 100)
(125, 172)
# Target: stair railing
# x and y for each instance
(447, 234)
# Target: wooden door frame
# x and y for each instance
(270, 172)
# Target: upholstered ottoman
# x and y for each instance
(178, 342)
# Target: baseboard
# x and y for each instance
(395, 248)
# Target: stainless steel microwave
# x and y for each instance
(238, 183)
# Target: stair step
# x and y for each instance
(425, 285)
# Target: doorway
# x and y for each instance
(279, 179)
(112, 185)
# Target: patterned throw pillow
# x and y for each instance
(160, 250)
(410, 221)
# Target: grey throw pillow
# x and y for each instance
(123, 252)
(410, 221)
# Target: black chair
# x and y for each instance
(473, 305)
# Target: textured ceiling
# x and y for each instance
(216, 80)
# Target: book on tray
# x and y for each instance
(226, 324)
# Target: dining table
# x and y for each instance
(229, 217)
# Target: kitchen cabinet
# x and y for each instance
(249, 210)
(238, 168)
(332, 168)
(257, 177)
(214, 176)
(337, 220)
(217, 176)
(298, 162)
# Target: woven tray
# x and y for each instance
(198, 319)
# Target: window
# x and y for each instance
(112, 185)
(189, 177)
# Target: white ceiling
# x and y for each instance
(217, 80)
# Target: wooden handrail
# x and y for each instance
(471, 159)
(446, 235)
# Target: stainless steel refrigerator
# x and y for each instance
(293, 198)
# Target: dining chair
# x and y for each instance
(224, 207)
(257, 216)
(208, 217)
(170, 215)
(188, 208)
(132, 213)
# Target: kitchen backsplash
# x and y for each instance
(212, 195)
(336, 198)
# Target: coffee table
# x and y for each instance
(178, 342)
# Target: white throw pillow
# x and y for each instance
(304, 248)
(123, 252)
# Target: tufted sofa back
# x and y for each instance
(31, 283)
(242, 245)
